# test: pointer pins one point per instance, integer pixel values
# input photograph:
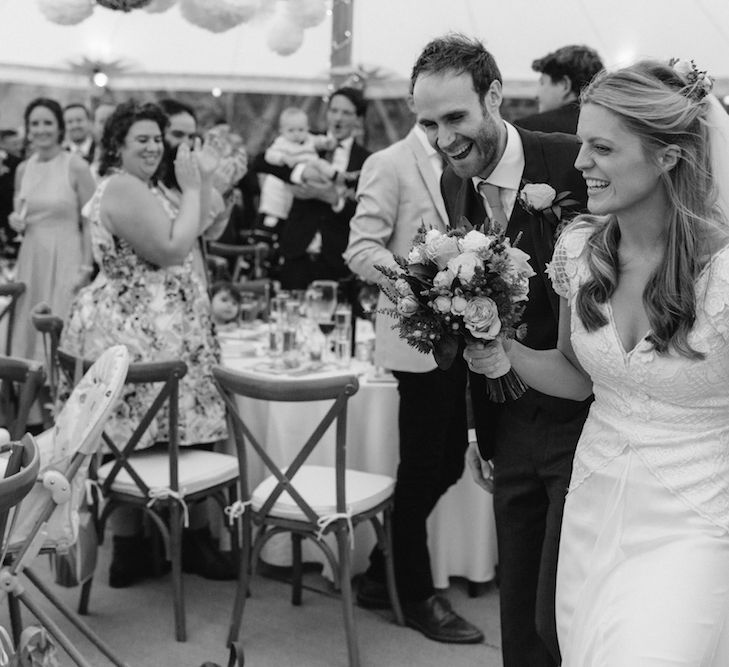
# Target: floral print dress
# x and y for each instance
(159, 314)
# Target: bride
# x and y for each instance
(643, 574)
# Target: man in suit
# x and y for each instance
(399, 191)
(321, 211)
(10, 151)
(457, 93)
(563, 74)
(79, 137)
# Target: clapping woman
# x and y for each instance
(147, 297)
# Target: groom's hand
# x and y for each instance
(482, 471)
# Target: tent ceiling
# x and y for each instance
(164, 51)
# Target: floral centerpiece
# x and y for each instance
(460, 285)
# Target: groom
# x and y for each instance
(456, 87)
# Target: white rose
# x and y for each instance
(443, 279)
(537, 196)
(417, 255)
(442, 249)
(432, 234)
(520, 262)
(458, 305)
(475, 241)
(464, 266)
(403, 287)
(442, 304)
(521, 291)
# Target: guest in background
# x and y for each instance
(294, 145)
(316, 233)
(563, 74)
(457, 92)
(79, 137)
(398, 192)
(225, 303)
(101, 114)
(11, 145)
(182, 130)
(148, 298)
(51, 188)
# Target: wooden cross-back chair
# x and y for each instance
(308, 501)
(21, 381)
(248, 259)
(49, 517)
(163, 484)
(12, 292)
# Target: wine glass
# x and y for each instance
(367, 298)
(322, 302)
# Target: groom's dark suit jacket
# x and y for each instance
(549, 158)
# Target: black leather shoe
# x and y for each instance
(200, 555)
(436, 620)
(372, 594)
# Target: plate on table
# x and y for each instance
(294, 370)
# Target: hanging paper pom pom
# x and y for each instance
(307, 13)
(159, 6)
(123, 5)
(284, 36)
(218, 15)
(66, 12)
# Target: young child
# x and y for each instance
(294, 145)
(225, 305)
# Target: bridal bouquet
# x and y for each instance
(463, 284)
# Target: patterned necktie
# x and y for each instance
(491, 193)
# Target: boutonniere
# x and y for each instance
(542, 200)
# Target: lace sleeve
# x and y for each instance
(716, 297)
(566, 270)
(557, 269)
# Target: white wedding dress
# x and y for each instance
(643, 572)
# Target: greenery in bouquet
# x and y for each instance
(460, 285)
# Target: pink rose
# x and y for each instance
(464, 266)
(441, 249)
(407, 306)
(481, 318)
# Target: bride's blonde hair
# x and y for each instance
(661, 108)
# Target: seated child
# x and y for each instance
(225, 305)
(294, 145)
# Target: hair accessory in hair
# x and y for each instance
(699, 83)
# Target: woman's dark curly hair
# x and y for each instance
(117, 127)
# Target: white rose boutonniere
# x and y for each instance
(542, 200)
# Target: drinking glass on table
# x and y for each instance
(248, 308)
(321, 304)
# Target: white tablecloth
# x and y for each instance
(462, 537)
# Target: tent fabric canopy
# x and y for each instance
(155, 51)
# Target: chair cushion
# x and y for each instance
(197, 470)
(317, 486)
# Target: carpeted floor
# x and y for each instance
(137, 622)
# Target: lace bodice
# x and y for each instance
(671, 410)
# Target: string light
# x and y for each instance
(216, 92)
(99, 79)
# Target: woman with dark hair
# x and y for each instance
(643, 574)
(51, 187)
(147, 297)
